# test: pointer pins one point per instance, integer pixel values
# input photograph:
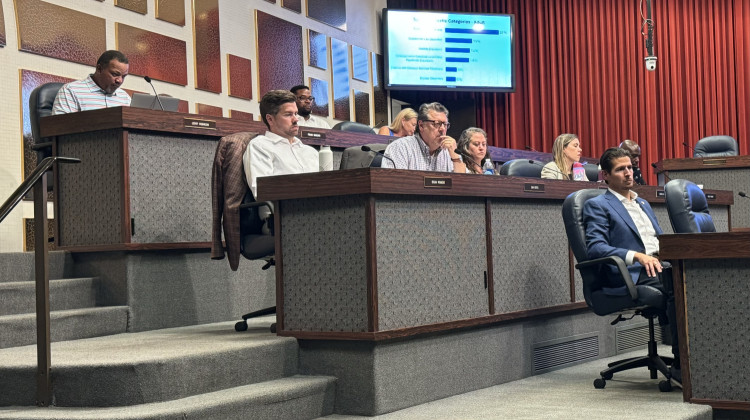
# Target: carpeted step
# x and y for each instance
(72, 324)
(19, 266)
(296, 397)
(20, 297)
(150, 366)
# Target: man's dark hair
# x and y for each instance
(110, 55)
(610, 155)
(272, 101)
(298, 88)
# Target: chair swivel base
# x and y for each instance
(653, 361)
(242, 325)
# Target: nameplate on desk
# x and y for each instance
(714, 162)
(533, 188)
(661, 194)
(438, 182)
(710, 196)
(312, 135)
(198, 123)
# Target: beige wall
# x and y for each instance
(237, 38)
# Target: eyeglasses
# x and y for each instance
(439, 124)
(306, 98)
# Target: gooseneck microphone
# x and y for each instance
(381, 153)
(148, 80)
(684, 143)
(742, 194)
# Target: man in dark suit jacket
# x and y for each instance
(620, 223)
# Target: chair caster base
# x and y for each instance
(600, 383)
(240, 326)
(665, 386)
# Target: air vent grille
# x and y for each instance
(557, 354)
(634, 336)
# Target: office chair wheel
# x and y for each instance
(665, 386)
(240, 326)
(273, 328)
(599, 383)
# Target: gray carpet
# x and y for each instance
(564, 394)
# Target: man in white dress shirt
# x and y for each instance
(278, 151)
(305, 101)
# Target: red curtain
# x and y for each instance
(580, 69)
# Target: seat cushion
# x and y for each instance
(604, 304)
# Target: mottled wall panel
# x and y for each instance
(138, 6)
(172, 11)
(2, 27)
(340, 69)
(280, 65)
(379, 97)
(318, 49)
(362, 107)
(208, 110)
(293, 5)
(207, 45)
(148, 52)
(58, 32)
(319, 89)
(240, 77)
(29, 81)
(241, 115)
(360, 64)
(331, 12)
(183, 107)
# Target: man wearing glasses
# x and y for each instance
(304, 108)
(430, 148)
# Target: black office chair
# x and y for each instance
(716, 146)
(40, 105)
(646, 301)
(522, 167)
(592, 171)
(354, 157)
(354, 127)
(687, 207)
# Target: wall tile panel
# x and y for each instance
(360, 64)
(241, 115)
(318, 49)
(207, 45)
(319, 89)
(330, 12)
(240, 77)
(280, 67)
(340, 69)
(362, 107)
(58, 32)
(379, 98)
(172, 11)
(149, 53)
(138, 6)
(2, 27)
(208, 110)
(293, 5)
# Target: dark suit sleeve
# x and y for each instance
(597, 220)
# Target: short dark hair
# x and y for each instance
(110, 55)
(298, 88)
(610, 155)
(272, 101)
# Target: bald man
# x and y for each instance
(635, 156)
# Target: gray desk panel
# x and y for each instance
(89, 198)
(718, 308)
(530, 255)
(423, 278)
(325, 265)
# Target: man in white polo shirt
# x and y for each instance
(100, 90)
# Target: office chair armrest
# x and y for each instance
(622, 268)
(258, 204)
(43, 145)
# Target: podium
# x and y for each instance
(711, 272)
(723, 173)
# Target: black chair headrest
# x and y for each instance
(522, 167)
(715, 146)
(353, 126)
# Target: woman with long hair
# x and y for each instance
(403, 125)
(566, 152)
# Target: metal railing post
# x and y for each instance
(41, 267)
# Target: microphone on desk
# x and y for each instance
(684, 143)
(148, 80)
(381, 153)
(742, 194)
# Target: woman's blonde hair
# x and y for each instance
(561, 142)
(404, 115)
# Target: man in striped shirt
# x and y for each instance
(100, 90)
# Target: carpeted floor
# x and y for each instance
(564, 394)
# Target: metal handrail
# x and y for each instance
(29, 182)
(38, 181)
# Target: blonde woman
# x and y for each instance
(566, 151)
(403, 125)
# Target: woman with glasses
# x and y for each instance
(472, 146)
(403, 125)
(566, 152)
